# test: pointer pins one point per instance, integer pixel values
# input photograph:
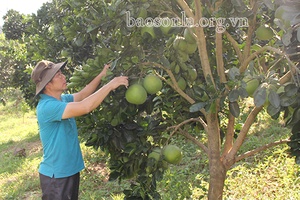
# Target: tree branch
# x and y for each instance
(235, 46)
(177, 128)
(194, 140)
(228, 159)
(199, 119)
(173, 83)
(186, 8)
(245, 129)
(246, 62)
(219, 57)
(259, 149)
(250, 32)
(201, 42)
(229, 134)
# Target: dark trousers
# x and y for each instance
(60, 188)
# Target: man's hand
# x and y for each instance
(104, 71)
(118, 81)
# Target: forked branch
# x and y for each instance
(178, 129)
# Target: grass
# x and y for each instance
(268, 175)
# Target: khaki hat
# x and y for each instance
(43, 72)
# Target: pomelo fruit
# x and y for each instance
(136, 94)
(188, 36)
(172, 154)
(180, 43)
(251, 86)
(152, 84)
(181, 83)
(264, 33)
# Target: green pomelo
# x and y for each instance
(180, 44)
(136, 94)
(188, 36)
(181, 83)
(264, 33)
(152, 84)
(251, 86)
(172, 154)
(183, 56)
(191, 48)
(192, 73)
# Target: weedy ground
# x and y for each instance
(272, 174)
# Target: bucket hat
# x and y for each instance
(43, 72)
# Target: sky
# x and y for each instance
(23, 6)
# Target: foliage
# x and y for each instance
(13, 26)
(12, 58)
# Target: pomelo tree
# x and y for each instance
(203, 60)
(204, 52)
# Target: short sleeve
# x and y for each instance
(67, 97)
(51, 109)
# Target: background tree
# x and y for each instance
(13, 26)
(205, 71)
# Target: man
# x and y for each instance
(62, 157)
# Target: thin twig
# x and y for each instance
(259, 149)
(199, 119)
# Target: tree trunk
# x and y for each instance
(217, 174)
(217, 170)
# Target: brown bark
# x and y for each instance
(217, 173)
(219, 57)
(229, 134)
(217, 170)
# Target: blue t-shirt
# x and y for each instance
(62, 155)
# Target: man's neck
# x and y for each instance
(56, 95)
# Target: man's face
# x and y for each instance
(59, 82)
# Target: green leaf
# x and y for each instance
(79, 41)
(197, 106)
(274, 99)
(260, 95)
(286, 101)
(165, 62)
(92, 28)
(290, 90)
(233, 95)
(243, 92)
(272, 110)
(286, 38)
(233, 73)
(295, 118)
(113, 64)
(234, 108)
(296, 129)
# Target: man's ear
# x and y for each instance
(47, 86)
